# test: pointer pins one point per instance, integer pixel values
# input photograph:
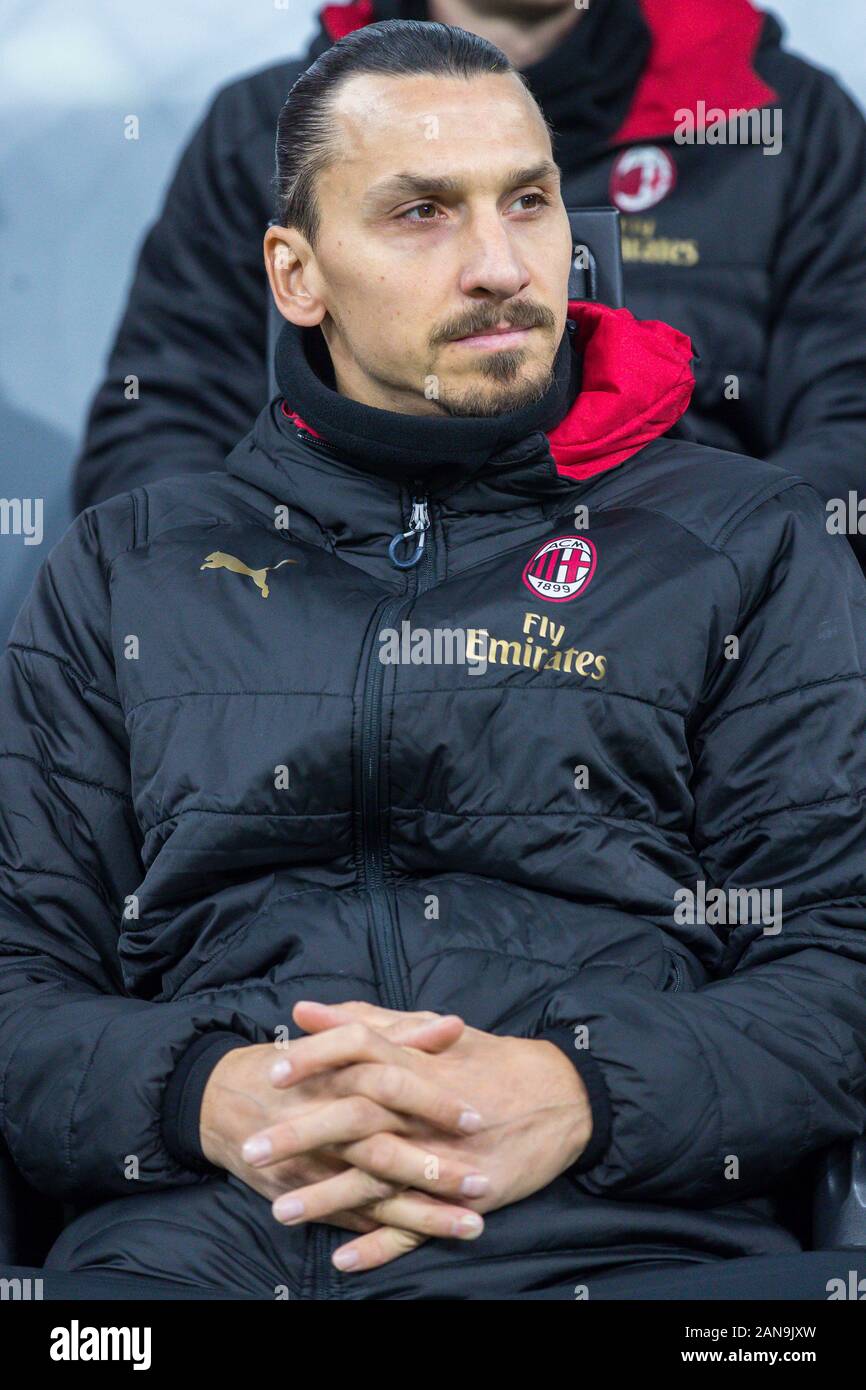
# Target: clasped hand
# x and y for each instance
(399, 1126)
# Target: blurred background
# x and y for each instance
(76, 196)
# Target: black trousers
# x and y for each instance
(219, 1239)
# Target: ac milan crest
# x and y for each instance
(561, 569)
(642, 177)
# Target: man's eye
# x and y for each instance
(405, 215)
(543, 200)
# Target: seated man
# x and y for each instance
(445, 824)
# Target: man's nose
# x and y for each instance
(490, 259)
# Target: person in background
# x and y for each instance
(754, 249)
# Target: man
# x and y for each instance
(330, 943)
(754, 249)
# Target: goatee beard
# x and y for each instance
(501, 367)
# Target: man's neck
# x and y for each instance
(524, 35)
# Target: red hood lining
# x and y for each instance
(637, 382)
(701, 52)
(340, 20)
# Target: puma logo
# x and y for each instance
(218, 560)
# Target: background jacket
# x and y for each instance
(759, 258)
(217, 799)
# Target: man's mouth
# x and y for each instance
(505, 336)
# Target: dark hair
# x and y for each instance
(305, 142)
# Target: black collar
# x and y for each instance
(406, 448)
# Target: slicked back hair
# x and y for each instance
(306, 141)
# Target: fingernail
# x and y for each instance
(468, 1226)
(280, 1070)
(287, 1208)
(255, 1149)
(470, 1121)
(346, 1259)
(475, 1185)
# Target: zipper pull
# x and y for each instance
(419, 524)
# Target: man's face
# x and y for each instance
(406, 267)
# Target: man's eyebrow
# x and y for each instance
(417, 185)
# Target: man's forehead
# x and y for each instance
(373, 109)
(437, 126)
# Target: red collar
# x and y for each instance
(637, 382)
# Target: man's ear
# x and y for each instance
(291, 270)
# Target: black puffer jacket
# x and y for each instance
(758, 258)
(169, 889)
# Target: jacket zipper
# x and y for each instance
(384, 935)
(314, 441)
(419, 524)
(678, 975)
(323, 1241)
(383, 938)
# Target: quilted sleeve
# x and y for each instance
(714, 1093)
(83, 1066)
(813, 415)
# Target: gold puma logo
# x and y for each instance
(218, 560)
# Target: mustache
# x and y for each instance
(485, 319)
